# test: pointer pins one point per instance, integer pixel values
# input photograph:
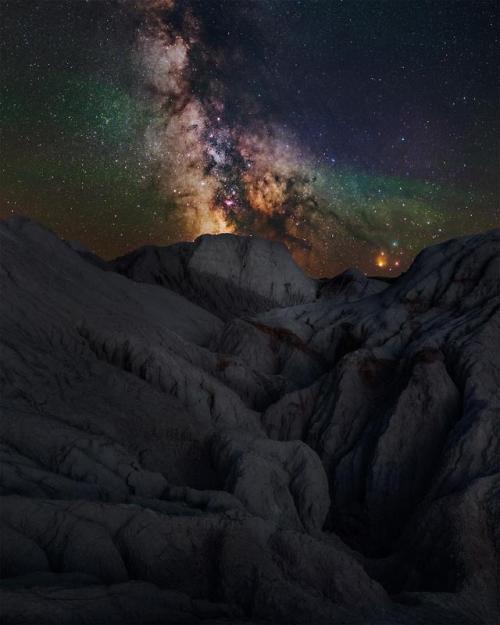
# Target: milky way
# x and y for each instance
(225, 174)
(352, 138)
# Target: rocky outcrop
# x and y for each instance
(350, 285)
(227, 274)
(203, 433)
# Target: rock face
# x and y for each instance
(227, 274)
(203, 433)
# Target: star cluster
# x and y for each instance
(357, 133)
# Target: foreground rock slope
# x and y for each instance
(202, 433)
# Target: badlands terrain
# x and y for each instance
(201, 433)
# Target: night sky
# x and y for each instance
(356, 132)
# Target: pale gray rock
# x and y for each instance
(228, 274)
(280, 481)
(212, 436)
